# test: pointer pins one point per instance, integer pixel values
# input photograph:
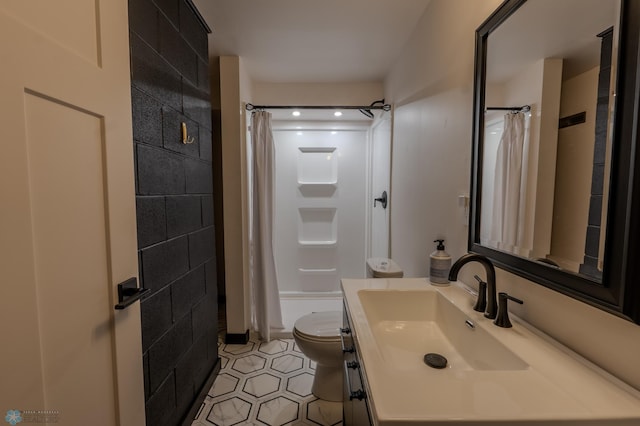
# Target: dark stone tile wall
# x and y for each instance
(592, 240)
(174, 204)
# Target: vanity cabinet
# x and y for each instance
(355, 394)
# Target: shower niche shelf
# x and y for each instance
(332, 243)
(317, 189)
(317, 166)
(317, 184)
(317, 226)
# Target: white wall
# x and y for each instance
(430, 149)
(439, 54)
(575, 166)
(234, 87)
(431, 86)
(432, 83)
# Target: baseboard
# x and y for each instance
(281, 334)
(237, 338)
(202, 394)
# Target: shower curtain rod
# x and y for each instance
(251, 107)
(524, 108)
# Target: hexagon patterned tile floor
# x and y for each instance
(265, 384)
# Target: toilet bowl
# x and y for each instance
(318, 337)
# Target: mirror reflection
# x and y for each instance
(549, 104)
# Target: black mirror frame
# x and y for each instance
(619, 292)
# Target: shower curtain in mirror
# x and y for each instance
(507, 227)
(265, 312)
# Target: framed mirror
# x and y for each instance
(556, 108)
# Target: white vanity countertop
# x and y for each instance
(558, 385)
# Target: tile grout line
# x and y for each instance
(265, 384)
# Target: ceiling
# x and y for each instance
(312, 41)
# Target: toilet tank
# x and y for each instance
(381, 267)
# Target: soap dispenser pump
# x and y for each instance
(440, 265)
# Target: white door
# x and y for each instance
(67, 215)
(380, 182)
(320, 208)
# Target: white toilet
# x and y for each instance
(381, 267)
(318, 337)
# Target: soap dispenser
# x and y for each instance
(440, 265)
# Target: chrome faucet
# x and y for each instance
(492, 308)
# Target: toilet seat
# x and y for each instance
(319, 326)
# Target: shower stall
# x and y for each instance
(324, 203)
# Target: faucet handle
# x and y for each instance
(481, 303)
(502, 320)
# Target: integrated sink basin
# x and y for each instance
(407, 324)
(506, 376)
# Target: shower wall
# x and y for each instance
(380, 178)
(320, 209)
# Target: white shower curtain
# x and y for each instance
(508, 219)
(266, 314)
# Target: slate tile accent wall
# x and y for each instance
(592, 241)
(174, 204)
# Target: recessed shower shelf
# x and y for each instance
(317, 189)
(333, 184)
(318, 279)
(317, 227)
(318, 243)
(317, 165)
